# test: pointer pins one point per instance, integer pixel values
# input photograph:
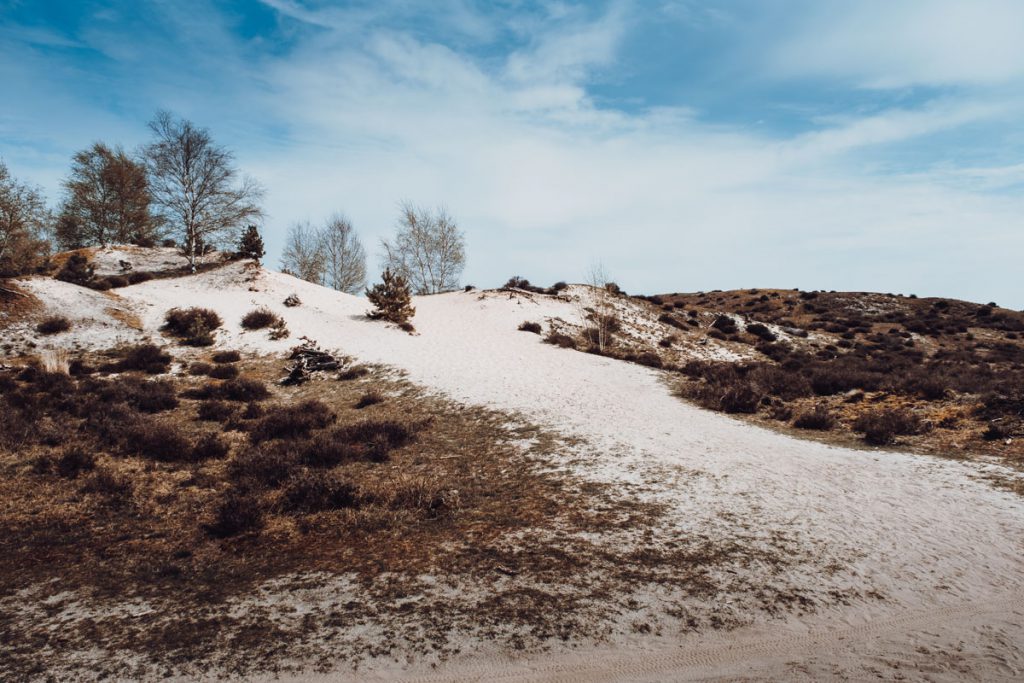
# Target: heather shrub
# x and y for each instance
(243, 389)
(318, 490)
(115, 488)
(818, 418)
(194, 326)
(261, 318)
(199, 369)
(761, 331)
(54, 324)
(215, 410)
(236, 513)
(353, 372)
(157, 441)
(369, 398)
(209, 447)
(530, 327)
(883, 425)
(224, 372)
(377, 438)
(559, 339)
(148, 358)
(227, 357)
(291, 422)
(266, 466)
(137, 277)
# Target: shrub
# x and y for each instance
(882, 426)
(194, 326)
(994, 433)
(261, 318)
(115, 488)
(266, 466)
(215, 410)
(199, 369)
(672, 321)
(741, 398)
(370, 398)
(209, 447)
(157, 441)
(116, 281)
(227, 357)
(53, 325)
(139, 276)
(224, 372)
(530, 327)
(377, 438)
(148, 358)
(73, 461)
(318, 490)
(724, 324)
(77, 270)
(761, 331)
(292, 300)
(517, 282)
(236, 513)
(392, 299)
(244, 389)
(668, 341)
(354, 372)
(818, 418)
(561, 340)
(328, 450)
(291, 422)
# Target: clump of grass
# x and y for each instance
(55, 324)
(193, 326)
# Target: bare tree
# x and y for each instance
(107, 201)
(196, 186)
(24, 219)
(428, 249)
(302, 255)
(344, 258)
(601, 311)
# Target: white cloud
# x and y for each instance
(900, 43)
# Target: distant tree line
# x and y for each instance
(183, 189)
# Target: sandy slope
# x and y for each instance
(928, 558)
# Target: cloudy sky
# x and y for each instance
(821, 144)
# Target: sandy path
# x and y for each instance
(943, 549)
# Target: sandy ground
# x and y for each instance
(925, 559)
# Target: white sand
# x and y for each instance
(945, 549)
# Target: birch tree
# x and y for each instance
(302, 255)
(428, 250)
(344, 258)
(197, 187)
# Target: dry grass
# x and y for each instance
(463, 493)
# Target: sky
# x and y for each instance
(685, 145)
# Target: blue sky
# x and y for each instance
(686, 145)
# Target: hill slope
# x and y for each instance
(890, 559)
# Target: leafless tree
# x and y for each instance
(196, 186)
(302, 255)
(107, 201)
(344, 258)
(601, 311)
(428, 249)
(24, 220)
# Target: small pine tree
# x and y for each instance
(77, 270)
(251, 244)
(392, 299)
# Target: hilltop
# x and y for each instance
(471, 497)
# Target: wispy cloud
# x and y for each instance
(494, 113)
